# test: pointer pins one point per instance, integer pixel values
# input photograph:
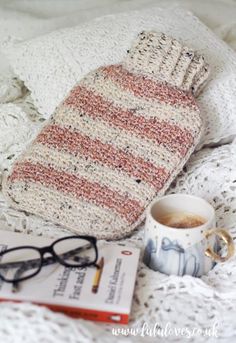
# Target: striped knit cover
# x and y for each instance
(117, 141)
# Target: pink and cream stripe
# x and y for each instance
(122, 98)
(77, 187)
(148, 88)
(121, 139)
(93, 171)
(70, 209)
(75, 143)
(160, 132)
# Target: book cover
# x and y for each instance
(99, 294)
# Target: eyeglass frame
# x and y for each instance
(51, 259)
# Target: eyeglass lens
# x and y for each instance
(75, 252)
(20, 263)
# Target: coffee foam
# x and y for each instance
(181, 220)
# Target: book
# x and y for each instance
(99, 294)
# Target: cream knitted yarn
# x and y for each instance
(116, 142)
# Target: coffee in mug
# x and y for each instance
(181, 237)
(183, 220)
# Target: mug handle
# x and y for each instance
(228, 240)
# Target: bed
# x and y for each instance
(185, 302)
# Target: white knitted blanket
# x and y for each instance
(173, 303)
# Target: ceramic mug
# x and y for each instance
(179, 251)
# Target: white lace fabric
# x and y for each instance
(182, 301)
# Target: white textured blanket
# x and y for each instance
(176, 302)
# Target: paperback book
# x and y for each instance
(100, 294)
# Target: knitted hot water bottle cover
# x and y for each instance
(117, 141)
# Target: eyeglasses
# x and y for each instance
(24, 262)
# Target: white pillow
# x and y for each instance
(50, 65)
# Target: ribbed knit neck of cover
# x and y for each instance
(165, 59)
